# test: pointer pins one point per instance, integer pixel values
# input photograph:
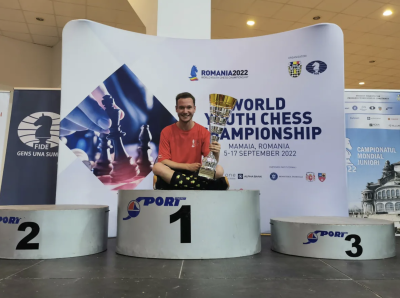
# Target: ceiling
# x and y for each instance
(368, 35)
(18, 17)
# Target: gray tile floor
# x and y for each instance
(267, 274)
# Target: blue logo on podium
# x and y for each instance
(134, 205)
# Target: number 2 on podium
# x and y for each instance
(186, 229)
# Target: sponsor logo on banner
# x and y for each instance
(316, 67)
(380, 108)
(218, 74)
(273, 176)
(354, 108)
(9, 220)
(310, 176)
(294, 68)
(389, 108)
(391, 118)
(40, 130)
(372, 108)
(193, 73)
(354, 118)
(230, 176)
(321, 177)
(134, 205)
(240, 176)
(374, 125)
(313, 236)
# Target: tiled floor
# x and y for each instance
(267, 274)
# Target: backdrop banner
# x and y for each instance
(30, 167)
(4, 104)
(373, 153)
(284, 138)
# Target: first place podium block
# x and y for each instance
(52, 231)
(193, 224)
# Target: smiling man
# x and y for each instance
(182, 146)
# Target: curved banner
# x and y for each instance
(284, 138)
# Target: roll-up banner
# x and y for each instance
(30, 167)
(284, 138)
(4, 105)
(373, 153)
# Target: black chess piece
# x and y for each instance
(123, 167)
(144, 161)
(103, 164)
(43, 132)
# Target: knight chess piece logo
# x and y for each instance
(193, 73)
(310, 176)
(294, 68)
(40, 130)
(316, 67)
(321, 177)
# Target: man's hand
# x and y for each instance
(193, 167)
(215, 147)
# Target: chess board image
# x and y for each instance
(115, 130)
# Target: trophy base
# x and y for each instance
(207, 173)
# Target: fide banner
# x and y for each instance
(284, 138)
(4, 104)
(30, 167)
(373, 153)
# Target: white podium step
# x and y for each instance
(52, 231)
(193, 224)
(334, 237)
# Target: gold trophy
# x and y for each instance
(221, 107)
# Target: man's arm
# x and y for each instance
(193, 167)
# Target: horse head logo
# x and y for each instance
(193, 73)
(43, 132)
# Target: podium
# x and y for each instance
(52, 231)
(188, 224)
(342, 238)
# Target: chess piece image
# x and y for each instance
(144, 160)
(43, 132)
(123, 167)
(103, 164)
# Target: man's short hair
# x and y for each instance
(185, 95)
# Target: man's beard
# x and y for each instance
(188, 118)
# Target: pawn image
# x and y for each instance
(123, 167)
(144, 161)
(103, 164)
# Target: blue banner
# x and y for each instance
(30, 167)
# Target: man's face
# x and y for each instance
(185, 109)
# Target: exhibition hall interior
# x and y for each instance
(199, 148)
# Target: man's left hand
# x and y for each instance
(215, 147)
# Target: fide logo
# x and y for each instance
(316, 67)
(40, 130)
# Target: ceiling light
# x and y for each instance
(316, 18)
(361, 83)
(40, 19)
(250, 23)
(387, 12)
(372, 61)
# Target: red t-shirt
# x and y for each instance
(184, 146)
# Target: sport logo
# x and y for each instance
(134, 205)
(310, 176)
(40, 130)
(313, 236)
(316, 67)
(273, 176)
(193, 73)
(321, 177)
(294, 69)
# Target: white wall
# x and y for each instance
(56, 66)
(24, 64)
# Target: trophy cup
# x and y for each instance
(221, 107)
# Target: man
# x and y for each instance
(182, 145)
